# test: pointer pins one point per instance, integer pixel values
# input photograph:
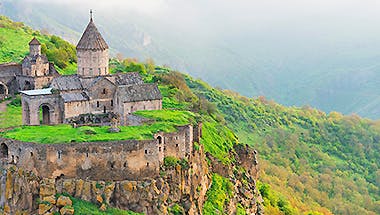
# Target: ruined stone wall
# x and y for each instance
(117, 160)
(130, 107)
(92, 62)
(10, 69)
(186, 187)
(7, 77)
(177, 144)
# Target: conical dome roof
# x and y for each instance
(92, 39)
(34, 41)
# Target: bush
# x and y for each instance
(170, 161)
(16, 102)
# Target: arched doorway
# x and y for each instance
(3, 91)
(3, 151)
(27, 85)
(45, 115)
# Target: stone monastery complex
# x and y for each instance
(93, 90)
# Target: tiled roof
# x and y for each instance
(67, 82)
(129, 78)
(92, 39)
(141, 92)
(72, 97)
(34, 41)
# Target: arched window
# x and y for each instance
(4, 150)
(159, 138)
(104, 91)
(97, 104)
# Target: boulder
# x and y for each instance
(44, 207)
(64, 201)
(67, 210)
(50, 199)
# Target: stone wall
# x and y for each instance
(92, 62)
(117, 160)
(185, 186)
(129, 107)
(39, 67)
(8, 72)
(73, 109)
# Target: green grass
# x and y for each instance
(11, 117)
(218, 195)
(82, 207)
(166, 121)
(218, 140)
(14, 44)
(169, 116)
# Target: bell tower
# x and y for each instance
(34, 47)
(92, 52)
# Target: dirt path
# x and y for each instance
(3, 106)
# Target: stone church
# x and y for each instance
(49, 98)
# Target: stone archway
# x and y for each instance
(45, 114)
(3, 91)
(3, 151)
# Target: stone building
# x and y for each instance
(93, 90)
(35, 72)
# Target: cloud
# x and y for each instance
(142, 6)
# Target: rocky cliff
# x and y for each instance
(184, 184)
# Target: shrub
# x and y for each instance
(170, 161)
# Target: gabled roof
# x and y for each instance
(129, 78)
(92, 39)
(34, 41)
(66, 82)
(74, 97)
(98, 79)
(141, 92)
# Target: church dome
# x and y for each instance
(92, 39)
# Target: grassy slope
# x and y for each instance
(14, 40)
(320, 162)
(165, 120)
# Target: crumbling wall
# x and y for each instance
(177, 185)
(116, 160)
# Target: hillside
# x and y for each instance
(311, 162)
(292, 65)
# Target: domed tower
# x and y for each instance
(92, 52)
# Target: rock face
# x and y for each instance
(183, 185)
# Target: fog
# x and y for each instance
(324, 53)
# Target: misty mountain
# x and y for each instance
(314, 56)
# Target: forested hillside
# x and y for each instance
(311, 162)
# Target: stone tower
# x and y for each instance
(35, 64)
(34, 47)
(92, 52)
